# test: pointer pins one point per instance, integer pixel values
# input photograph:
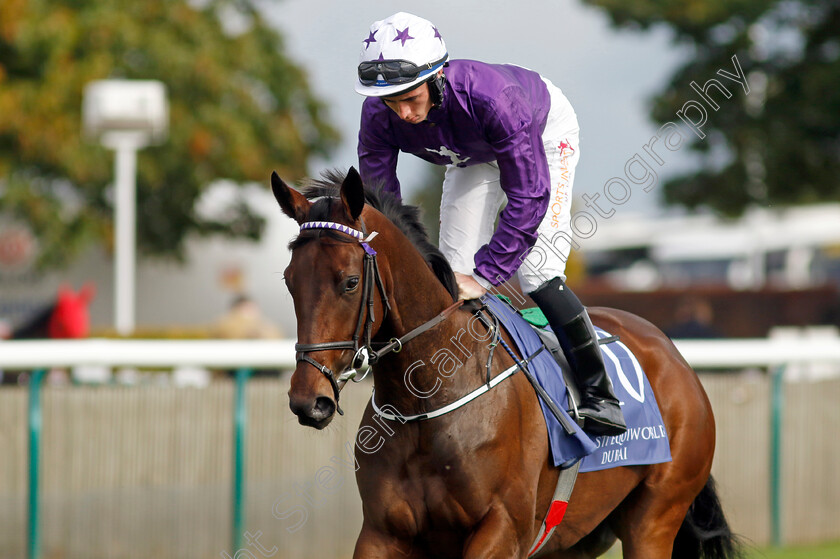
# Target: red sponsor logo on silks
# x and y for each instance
(564, 145)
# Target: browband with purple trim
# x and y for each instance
(347, 230)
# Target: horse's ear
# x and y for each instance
(293, 203)
(353, 194)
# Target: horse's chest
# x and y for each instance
(428, 492)
(424, 505)
(435, 479)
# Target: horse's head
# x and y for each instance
(338, 292)
(70, 317)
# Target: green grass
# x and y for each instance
(824, 551)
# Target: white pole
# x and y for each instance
(126, 115)
(126, 145)
(126, 235)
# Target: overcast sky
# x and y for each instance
(608, 75)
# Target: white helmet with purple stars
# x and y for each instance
(400, 53)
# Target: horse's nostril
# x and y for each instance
(316, 414)
(298, 407)
(324, 408)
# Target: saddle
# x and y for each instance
(535, 317)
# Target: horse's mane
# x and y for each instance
(406, 217)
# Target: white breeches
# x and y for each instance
(472, 198)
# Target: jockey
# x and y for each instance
(504, 134)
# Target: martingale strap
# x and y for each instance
(486, 387)
(396, 344)
(557, 509)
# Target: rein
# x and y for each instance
(365, 355)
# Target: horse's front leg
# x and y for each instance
(373, 544)
(495, 537)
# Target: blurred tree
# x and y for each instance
(780, 144)
(238, 109)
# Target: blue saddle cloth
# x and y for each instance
(644, 442)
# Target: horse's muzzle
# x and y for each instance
(313, 413)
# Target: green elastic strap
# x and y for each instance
(534, 315)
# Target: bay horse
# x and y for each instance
(476, 482)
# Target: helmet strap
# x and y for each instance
(436, 86)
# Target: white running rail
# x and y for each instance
(730, 353)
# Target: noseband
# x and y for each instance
(365, 355)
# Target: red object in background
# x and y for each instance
(71, 317)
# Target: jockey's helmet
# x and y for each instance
(400, 53)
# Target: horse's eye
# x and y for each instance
(351, 283)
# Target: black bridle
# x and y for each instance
(365, 355)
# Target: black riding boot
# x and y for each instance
(568, 319)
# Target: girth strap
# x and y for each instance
(557, 508)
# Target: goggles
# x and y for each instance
(395, 72)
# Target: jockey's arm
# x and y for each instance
(378, 162)
(524, 177)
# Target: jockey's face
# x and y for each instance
(412, 106)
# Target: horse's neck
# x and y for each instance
(434, 369)
(417, 294)
(418, 378)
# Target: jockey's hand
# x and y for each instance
(468, 288)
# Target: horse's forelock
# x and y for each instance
(327, 190)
